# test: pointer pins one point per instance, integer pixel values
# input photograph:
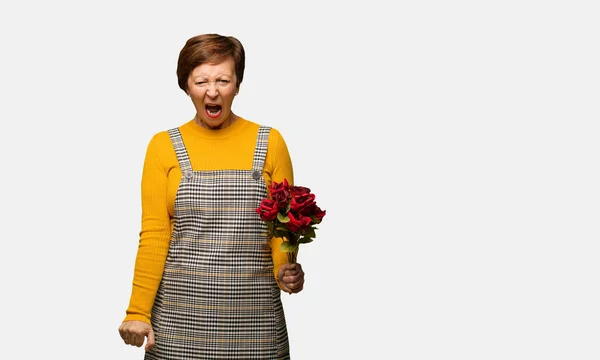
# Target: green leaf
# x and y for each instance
(305, 240)
(291, 237)
(310, 232)
(287, 247)
(279, 233)
(282, 218)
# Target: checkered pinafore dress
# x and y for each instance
(218, 298)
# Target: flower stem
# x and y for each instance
(292, 256)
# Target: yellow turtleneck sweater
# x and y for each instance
(228, 148)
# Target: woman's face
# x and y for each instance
(212, 88)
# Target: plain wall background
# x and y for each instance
(453, 144)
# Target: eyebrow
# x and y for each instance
(205, 77)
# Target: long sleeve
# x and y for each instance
(279, 165)
(154, 235)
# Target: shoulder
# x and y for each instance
(251, 127)
(277, 144)
(160, 143)
(275, 138)
(160, 139)
(163, 138)
(274, 134)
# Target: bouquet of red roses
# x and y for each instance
(291, 213)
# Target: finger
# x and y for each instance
(134, 340)
(281, 272)
(122, 331)
(138, 340)
(293, 278)
(284, 287)
(293, 285)
(294, 281)
(293, 271)
(150, 341)
(124, 336)
(297, 287)
(127, 339)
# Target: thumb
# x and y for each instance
(150, 339)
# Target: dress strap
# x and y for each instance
(181, 152)
(260, 152)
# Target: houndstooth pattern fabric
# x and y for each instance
(218, 298)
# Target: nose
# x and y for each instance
(212, 91)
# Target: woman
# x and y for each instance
(207, 281)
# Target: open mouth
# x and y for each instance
(213, 111)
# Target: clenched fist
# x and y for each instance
(291, 278)
(133, 333)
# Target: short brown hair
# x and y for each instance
(213, 49)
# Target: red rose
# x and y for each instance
(303, 203)
(298, 222)
(267, 210)
(280, 193)
(299, 190)
(318, 215)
